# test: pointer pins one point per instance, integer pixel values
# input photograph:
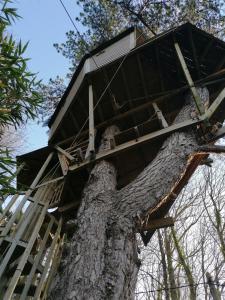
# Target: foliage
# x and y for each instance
(19, 98)
(102, 19)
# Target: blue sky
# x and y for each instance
(43, 23)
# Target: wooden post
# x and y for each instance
(160, 115)
(91, 145)
(187, 74)
(48, 261)
(28, 280)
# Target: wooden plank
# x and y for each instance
(49, 182)
(216, 103)
(48, 261)
(23, 201)
(219, 134)
(194, 52)
(91, 144)
(134, 143)
(9, 205)
(70, 157)
(28, 280)
(154, 224)
(21, 226)
(55, 264)
(160, 115)
(18, 272)
(63, 163)
(187, 74)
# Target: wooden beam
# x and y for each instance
(219, 134)
(12, 220)
(135, 143)
(130, 112)
(148, 104)
(154, 224)
(49, 182)
(91, 144)
(48, 262)
(28, 280)
(63, 163)
(212, 149)
(65, 153)
(194, 52)
(206, 50)
(187, 74)
(215, 105)
(160, 115)
(25, 255)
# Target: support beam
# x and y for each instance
(160, 115)
(91, 145)
(194, 52)
(187, 74)
(63, 163)
(148, 104)
(215, 105)
(135, 143)
(153, 224)
(49, 182)
(65, 153)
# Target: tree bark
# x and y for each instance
(101, 260)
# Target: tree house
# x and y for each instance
(137, 84)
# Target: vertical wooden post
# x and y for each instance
(91, 145)
(187, 74)
(160, 115)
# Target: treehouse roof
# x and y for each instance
(150, 69)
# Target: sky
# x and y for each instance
(43, 23)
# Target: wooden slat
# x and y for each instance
(187, 74)
(23, 201)
(70, 157)
(216, 103)
(91, 144)
(48, 261)
(55, 264)
(63, 163)
(154, 224)
(160, 115)
(134, 143)
(18, 272)
(28, 280)
(49, 182)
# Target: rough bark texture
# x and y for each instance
(100, 261)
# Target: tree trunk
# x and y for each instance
(101, 261)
